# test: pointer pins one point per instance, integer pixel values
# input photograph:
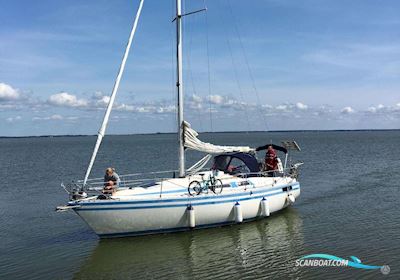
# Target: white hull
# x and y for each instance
(143, 211)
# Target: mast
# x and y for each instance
(103, 127)
(179, 86)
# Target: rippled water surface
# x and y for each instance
(349, 206)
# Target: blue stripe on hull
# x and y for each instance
(181, 204)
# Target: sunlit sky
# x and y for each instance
(269, 65)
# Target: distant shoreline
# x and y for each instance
(205, 132)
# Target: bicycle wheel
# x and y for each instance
(218, 186)
(194, 188)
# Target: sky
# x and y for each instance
(248, 65)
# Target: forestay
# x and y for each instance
(103, 127)
(192, 142)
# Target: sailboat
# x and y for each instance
(234, 190)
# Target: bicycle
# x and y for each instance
(196, 187)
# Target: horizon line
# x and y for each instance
(238, 131)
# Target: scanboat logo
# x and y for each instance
(331, 260)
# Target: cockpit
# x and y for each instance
(236, 163)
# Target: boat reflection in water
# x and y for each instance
(255, 250)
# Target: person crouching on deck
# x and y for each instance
(111, 181)
(271, 162)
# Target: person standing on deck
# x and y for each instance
(111, 181)
(271, 161)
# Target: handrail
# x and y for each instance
(175, 170)
(129, 181)
(132, 174)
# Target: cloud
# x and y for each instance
(54, 117)
(99, 100)
(301, 106)
(376, 109)
(213, 102)
(216, 99)
(266, 106)
(381, 109)
(281, 107)
(8, 93)
(166, 109)
(13, 119)
(196, 98)
(65, 99)
(125, 107)
(372, 109)
(225, 107)
(12, 99)
(347, 110)
(287, 108)
(156, 108)
(103, 101)
(226, 103)
(194, 102)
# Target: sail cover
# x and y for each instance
(192, 142)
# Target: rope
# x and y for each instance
(114, 93)
(189, 64)
(173, 68)
(198, 165)
(234, 66)
(208, 69)
(238, 83)
(247, 65)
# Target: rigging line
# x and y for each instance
(237, 81)
(173, 67)
(187, 29)
(208, 69)
(248, 66)
(110, 104)
(189, 63)
(238, 84)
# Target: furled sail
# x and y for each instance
(192, 142)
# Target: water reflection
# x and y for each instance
(257, 249)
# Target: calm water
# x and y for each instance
(349, 206)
